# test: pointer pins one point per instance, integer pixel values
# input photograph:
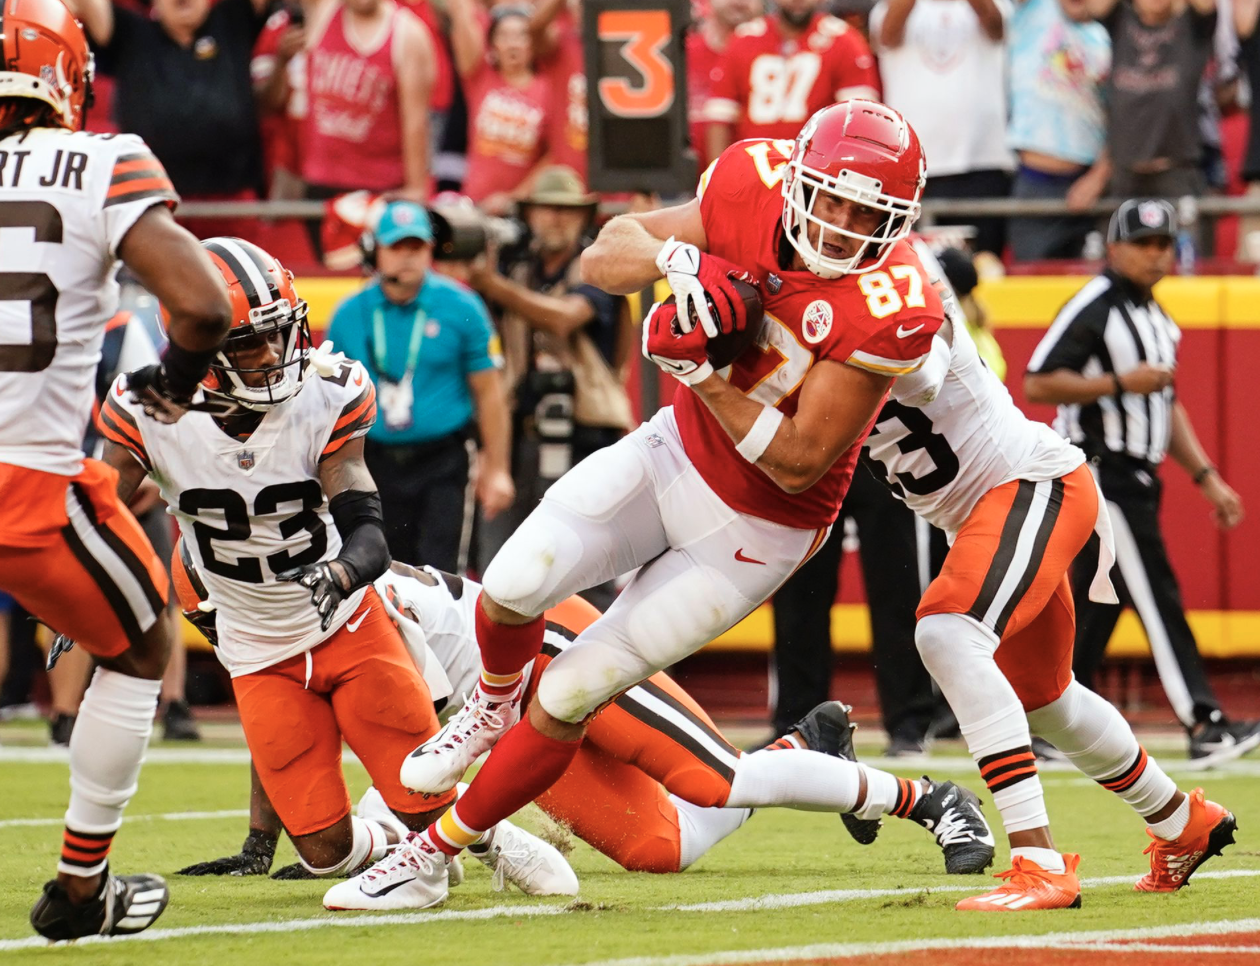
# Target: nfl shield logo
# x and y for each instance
(245, 459)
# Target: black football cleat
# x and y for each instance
(828, 729)
(952, 814)
(124, 904)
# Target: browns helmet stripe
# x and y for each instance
(253, 279)
(265, 268)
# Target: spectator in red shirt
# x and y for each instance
(705, 46)
(370, 74)
(781, 68)
(508, 103)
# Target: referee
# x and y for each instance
(1108, 361)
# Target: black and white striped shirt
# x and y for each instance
(1110, 326)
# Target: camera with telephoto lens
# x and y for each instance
(462, 232)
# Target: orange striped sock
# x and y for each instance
(784, 743)
(907, 796)
(1006, 768)
(84, 853)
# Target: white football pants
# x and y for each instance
(640, 503)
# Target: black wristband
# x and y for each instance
(184, 369)
(1203, 474)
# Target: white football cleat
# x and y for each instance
(526, 861)
(441, 761)
(372, 805)
(412, 875)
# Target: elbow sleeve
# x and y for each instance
(361, 524)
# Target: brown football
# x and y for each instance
(725, 349)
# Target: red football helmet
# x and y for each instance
(45, 58)
(264, 300)
(862, 151)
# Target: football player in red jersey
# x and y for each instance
(718, 499)
(780, 68)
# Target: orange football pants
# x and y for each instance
(615, 795)
(72, 554)
(1008, 569)
(360, 685)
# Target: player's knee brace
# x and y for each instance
(367, 845)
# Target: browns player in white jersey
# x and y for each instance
(719, 498)
(72, 205)
(996, 628)
(278, 512)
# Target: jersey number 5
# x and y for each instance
(237, 528)
(34, 288)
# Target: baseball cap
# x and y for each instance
(403, 219)
(1142, 218)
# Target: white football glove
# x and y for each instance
(679, 262)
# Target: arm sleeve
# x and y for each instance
(118, 425)
(137, 182)
(1072, 338)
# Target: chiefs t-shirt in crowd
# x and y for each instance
(507, 128)
(353, 131)
(565, 72)
(194, 106)
(768, 85)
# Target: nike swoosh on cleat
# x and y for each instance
(739, 555)
(387, 890)
(353, 626)
(903, 332)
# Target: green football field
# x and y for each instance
(788, 886)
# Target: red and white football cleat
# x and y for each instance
(1209, 830)
(1028, 886)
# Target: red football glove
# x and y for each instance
(681, 354)
(692, 273)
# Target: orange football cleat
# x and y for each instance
(1209, 830)
(1028, 886)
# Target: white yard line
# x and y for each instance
(163, 817)
(735, 905)
(1062, 940)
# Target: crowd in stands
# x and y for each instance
(1035, 99)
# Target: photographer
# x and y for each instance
(565, 343)
(431, 350)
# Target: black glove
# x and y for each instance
(205, 621)
(325, 587)
(151, 389)
(254, 858)
(295, 871)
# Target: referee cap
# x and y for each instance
(1142, 218)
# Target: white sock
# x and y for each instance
(106, 751)
(1048, 859)
(699, 829)
(1172, 827)
(807, 780)
(1098, 741)
(958, 653)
